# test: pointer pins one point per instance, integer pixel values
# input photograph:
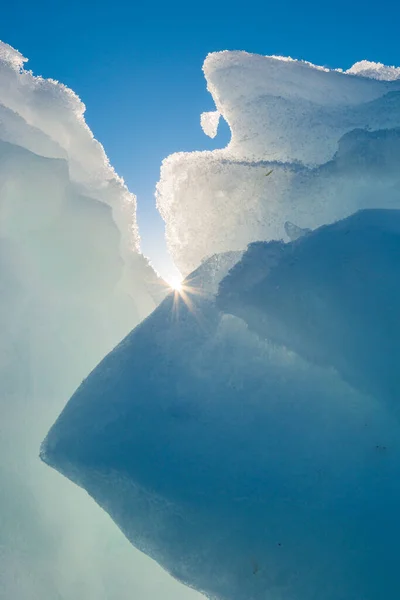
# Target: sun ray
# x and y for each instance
(185, 292)
(175, 282)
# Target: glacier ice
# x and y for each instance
(257, 464)
(72, 284)
(245, 434)
(332, 296)
(330, 138)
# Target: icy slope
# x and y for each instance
(330, 139)
(245, 469)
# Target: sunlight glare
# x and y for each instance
(176, 283)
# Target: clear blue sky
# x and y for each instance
(137, 66)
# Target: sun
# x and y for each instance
(175, 283)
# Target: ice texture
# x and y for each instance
(72, 284)
(331, 140)
(332, 296)
(258, 462)
(209, 122)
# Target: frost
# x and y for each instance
(330, 138)
(366, 68)
(209, 122)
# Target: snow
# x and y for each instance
(209, 122)
(379, 71)
(316, 129)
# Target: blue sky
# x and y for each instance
(137, 66)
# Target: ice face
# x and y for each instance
(309, 145)
(67, 220)
(332, 296)
(72, 284)
(254, 465)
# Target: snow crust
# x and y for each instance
(329, 140)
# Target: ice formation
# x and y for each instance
(245, 434)
(348, 271)
(330, 138)
(209, 122)
(72, 284)
(257, 465)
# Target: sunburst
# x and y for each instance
(184, 292)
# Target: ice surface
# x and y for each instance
(209, 122)
(72, 284)
(242, 462)
(330, 138)
(333, 297)
(294, 232)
